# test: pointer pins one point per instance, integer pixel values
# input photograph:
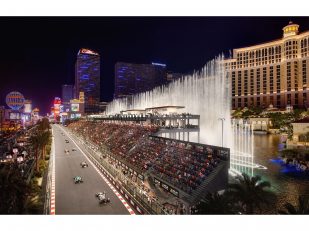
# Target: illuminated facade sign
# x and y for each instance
(27, 106)
(75, 107)
(87, 51)
(159, 64)
(15, 100)
(75, 115)
(82, 97)
(14, 116)
(61, 108)
(57, 103)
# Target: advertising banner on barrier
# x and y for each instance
(167, 187)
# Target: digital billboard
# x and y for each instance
(27, 108)
(61, 108)
(26, 117)
(57, 103)
(82, 97)
(74, 107)
(75, 116)
(14, 116)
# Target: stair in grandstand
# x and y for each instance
(201, 191)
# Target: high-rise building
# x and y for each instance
(67, 93)
(87, 78)
(273, 73)
(133, 78)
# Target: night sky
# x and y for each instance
(38, 54)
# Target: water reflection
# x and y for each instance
(265, 153)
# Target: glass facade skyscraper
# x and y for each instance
(66, 96)
(87, 78)
(67, 93)
(133, 78)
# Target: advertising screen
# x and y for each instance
(14, 116)
(27, 108)
(74, 107)
(26, 117)
(61, 108)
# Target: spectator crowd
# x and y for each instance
(185, 166)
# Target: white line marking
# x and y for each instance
(53, 191)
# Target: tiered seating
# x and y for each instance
(184, 166)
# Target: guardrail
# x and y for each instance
(49, 179)
(128, 189)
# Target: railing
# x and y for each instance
(49, 179)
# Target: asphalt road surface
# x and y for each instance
(74, 198)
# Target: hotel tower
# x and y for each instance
(273, 73)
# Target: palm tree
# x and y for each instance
(43, 124)
(45, 136)
(37, 143)
(13, 190)
(34, 204)
(251, 193)
(215, 203)
(302, 207)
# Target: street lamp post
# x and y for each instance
(222, 120)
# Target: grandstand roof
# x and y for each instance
(133, 110)
(177, 107)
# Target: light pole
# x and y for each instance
(222, 120)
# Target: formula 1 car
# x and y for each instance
(78, 179)
(102, 198)
(83, 164)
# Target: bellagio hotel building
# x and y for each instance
(273, 73)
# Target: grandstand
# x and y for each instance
(182, 169)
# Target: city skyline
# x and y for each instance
(44, 57)
(144, 115)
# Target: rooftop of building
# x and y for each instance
(142, 64)
(162, 107)
(87, 51)
(133, 110)
(286, 36)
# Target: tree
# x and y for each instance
(251, 193)
(45, 137)
(215, 203)
(302, 207)
(13, 190)
(43, 125)
(36, 141)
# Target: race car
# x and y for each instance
(66, 151)
(78, 179)
(102, 198)
(83, 164)
(73, 149)
(66, 141)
